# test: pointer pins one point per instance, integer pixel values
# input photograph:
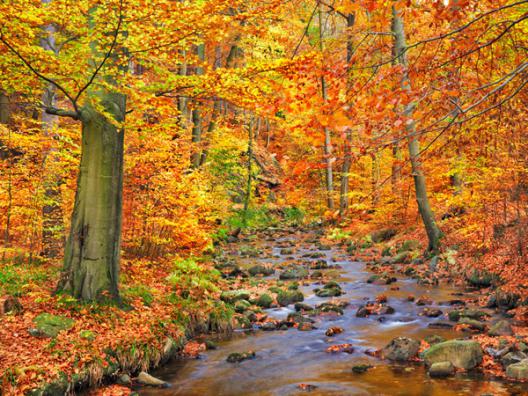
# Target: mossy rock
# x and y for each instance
(409, 245)
(456, 315)
(249, 251)
(293, 286)
(261, 269)
(401, 257)
(434, 339)
(242, 306)
(238, 357)
(330, 289)
(87, 335)
(401, 349)
(472, 323)
(518, 370)
(264, 301)
(51, 325)
(294, 273)
(383, 235)
(461, 353)
(441, 370)
(231, 296)
(361, 368)
(287, 297)
(482, 279)
(503, 300)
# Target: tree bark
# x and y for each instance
(196, 154)
(329, 176)
(433, 232)
(91, 262)
(347, 160)
(52, 215)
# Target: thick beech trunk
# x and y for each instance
(91, 262)
(433, 232)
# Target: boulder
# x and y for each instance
(319, 264)
(503, 300)
(424, 301)
(334, 330)
(431, 312)
(401, 349)
(472, 324)
(501, 328)
(361, 368)
(10, 304)
(264, 301)
(287, 297)
(331, 289)
(299, 306)
(238, 357)
(441, 369)
(261, 269)
(434, 339)
(467, 313)
(146, 379)
(124, 379)
(462, 354)
(512, 358)
(305, 326)
(242, 306)
(231, 296)
(48, 325)
(294, 273)
(518, 370)
(383, 235)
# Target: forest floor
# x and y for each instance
(272, 282)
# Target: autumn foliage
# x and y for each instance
(312, 86)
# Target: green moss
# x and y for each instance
(287, 297)
(264, 301)
(51, 325)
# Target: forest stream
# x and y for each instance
(291, 362)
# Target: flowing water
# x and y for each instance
(288, 358)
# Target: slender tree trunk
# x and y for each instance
(196, 154)
(52, 215)
(329, 176)
(91, 262)
(247, 198)
(433, 232)
(347, 160)
(375, 177)
(182, 100)
(396, 169)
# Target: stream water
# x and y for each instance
(287, 358)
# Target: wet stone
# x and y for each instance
(238, 357)
(431, 312)
(441, 370)
(401, 349)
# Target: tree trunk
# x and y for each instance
(52, 215)
(247, 198)
(433, 232)
(91, 262)
(347, 160)
(329, 176)
(196, 154)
